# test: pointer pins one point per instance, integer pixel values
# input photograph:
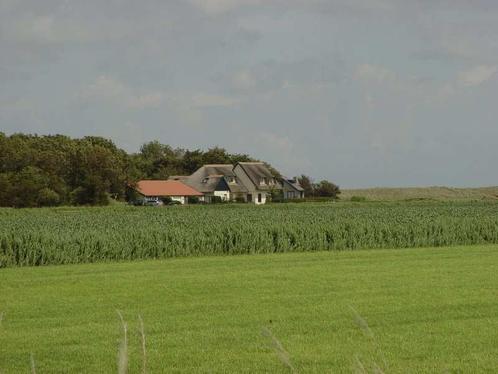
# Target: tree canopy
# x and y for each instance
(323, 188)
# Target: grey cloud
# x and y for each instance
(365, 93)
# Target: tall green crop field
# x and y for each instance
(80, 235)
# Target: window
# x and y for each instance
(232, 180)
(259, 197)
(263, 180)
(205, 180)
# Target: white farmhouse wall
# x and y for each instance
(181, 199)
(263, 198)
(224, 195)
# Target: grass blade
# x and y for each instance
(123, 348)
(363, 325)
(33, 366)
(280, 351)
(144, 352)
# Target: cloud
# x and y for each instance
(477, 75)
(207, 100)
(464, 80)
(378, 74)
(281, 143)
(214, 7)
(151, 100)
(49, 29)
(244, 80)
(108, 89)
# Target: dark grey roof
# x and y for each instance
(256, 171)
(236, 187)
(206, 184)
(216, 169)
(292, 183)
(207, 178)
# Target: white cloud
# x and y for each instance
(105, 87)
(207, 100)
(221, 6)
(281, 143)
(477, 75)
(243, 80)
(375, 73)
(152, 100)
(112, 90)
(470, 78)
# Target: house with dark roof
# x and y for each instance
(257, 179)
(245, 181)
(216, 181)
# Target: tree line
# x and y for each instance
(323, 188)
(53, 170)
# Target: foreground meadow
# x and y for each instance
(79, 235)
(407, 311)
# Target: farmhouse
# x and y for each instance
(155, 190)
(250, 182)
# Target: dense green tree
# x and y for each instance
(327, 189)
(307, 185)
(192, 160)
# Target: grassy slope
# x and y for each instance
(431, 310)
(433, 193)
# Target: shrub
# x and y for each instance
(166, 200)
(193, 200)
(358, 199)
(216, 199)
(48, 197)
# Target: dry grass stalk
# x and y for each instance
(144, 352)
(282, 354)
(363, 325)
(123, 348)
(33, 366)
(359, 367)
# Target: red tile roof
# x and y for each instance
(165, 188)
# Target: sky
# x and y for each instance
(361, 92)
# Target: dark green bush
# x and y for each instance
(358, 199)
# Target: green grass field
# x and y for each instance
(428, 310)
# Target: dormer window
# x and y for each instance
(232, 180)
(205, 180)
(263, 181)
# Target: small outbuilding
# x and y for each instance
(292, 189)
(156, 190)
